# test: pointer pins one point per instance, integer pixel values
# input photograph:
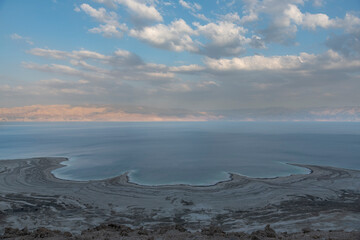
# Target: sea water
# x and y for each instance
(197, 153)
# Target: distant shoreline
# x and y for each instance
(230, 176)
(127, 175)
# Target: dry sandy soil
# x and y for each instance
(32, 198)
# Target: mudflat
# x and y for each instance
(31, 197)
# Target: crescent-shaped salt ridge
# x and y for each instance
(57, 162)
(31, 196)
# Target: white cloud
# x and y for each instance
(122, 75)
(231, 17)
(184, 4)
(250, 11)
(176, 36)
(222, 33)
(87, 66)
(254, 63)
(85, 54)
(160, 74)
(67, 70)
(251, 17)
(226, 38)
(122, 53)
(304, 62)
(121, 66)
(308, 20)
(57, 54)
(192, 6)
(317, 20)
(350, 23)
(16, 36)
(201, 16)
(100, 14)
(141, 13)
(187, 68)
(111, 26)
(57, 68)
(285, 16)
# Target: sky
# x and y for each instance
(181, 60)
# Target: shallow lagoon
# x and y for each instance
(195, 153)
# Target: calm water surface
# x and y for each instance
(190, 153)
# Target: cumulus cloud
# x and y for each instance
(225, 39)
(254, 63)
(312, 21)
(176, 36)
(141, 13)
(231, 17)
(285, 17)
(304, 61)
(250, 11)
(284, 20)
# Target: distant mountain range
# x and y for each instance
(48, 113)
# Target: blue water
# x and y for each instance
(190, 153)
